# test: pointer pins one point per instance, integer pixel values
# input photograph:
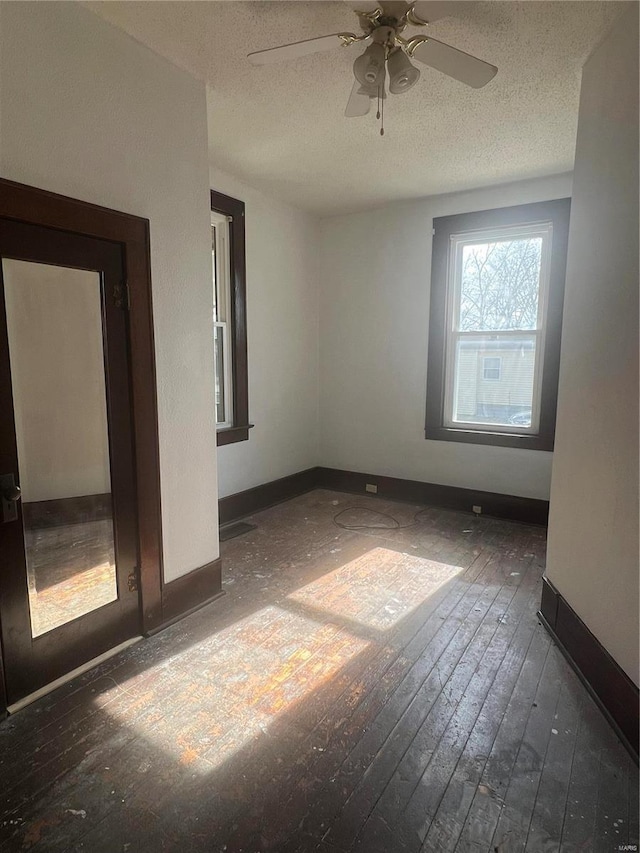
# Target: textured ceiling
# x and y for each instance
(281, 127)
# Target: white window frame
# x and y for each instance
(453, 333)
(222, 297)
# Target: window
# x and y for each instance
(497, 287)
(229, 319)
(221, 331)
(491, 367)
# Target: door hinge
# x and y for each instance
(132, 581)
(121, 294)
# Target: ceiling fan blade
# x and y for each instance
(363, 5)
(394, 8)
(358, 103)
(433, 10)
(455, 63)
(296, 49)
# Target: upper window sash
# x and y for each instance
(221, 266)
(497, 235)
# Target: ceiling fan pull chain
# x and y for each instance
(382, 119)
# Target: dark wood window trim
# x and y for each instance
(557, 212)
(239, 430)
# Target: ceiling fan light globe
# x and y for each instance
(402, 74)
(369, 67)
(404, 82)
(377, 89)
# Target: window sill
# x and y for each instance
(495, 439)
(231, 435)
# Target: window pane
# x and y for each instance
(500, 285)
(215, 273)
(490, 388)
(218, 338)
(491, 369)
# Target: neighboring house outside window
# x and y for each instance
(496, 312)
(229, 319)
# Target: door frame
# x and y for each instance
(40, 207)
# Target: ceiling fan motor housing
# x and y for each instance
(384, 35)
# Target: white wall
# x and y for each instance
(282, 326)
(593, 528)
(374, 321)
(88, 112)
(54, 325)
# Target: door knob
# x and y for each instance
(9, 494)
(12, 493)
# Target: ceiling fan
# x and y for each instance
(388, 52)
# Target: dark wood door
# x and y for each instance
(69, 546)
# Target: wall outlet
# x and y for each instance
(477, 510)
(371, 487)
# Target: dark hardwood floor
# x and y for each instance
(371, 690)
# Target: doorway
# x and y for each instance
(79, 492)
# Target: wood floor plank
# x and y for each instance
(451, 814)
(545, 829)
(367, 679)
(519, 800)
(368, 728)
(431, 789)
(488, 799)
(458, 695)
(634, 806)
(378, 691)
(579, 821)
(612, 811)
(414, 699)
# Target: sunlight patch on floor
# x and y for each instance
(223, 695)
(377, 589)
